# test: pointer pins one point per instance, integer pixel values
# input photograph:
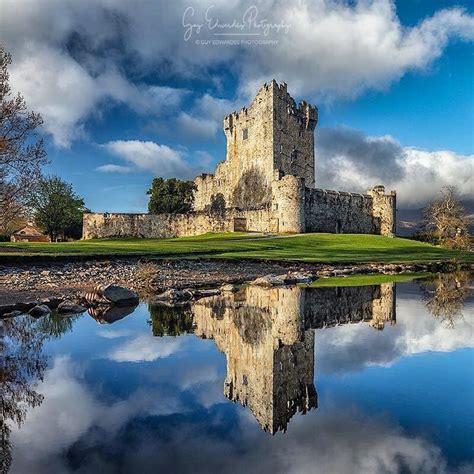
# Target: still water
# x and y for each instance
(323, 380)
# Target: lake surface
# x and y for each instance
(323, 380)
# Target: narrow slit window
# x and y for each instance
(245, 133)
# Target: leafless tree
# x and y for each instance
(445, 218)
(21, 150)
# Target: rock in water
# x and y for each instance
(298, 277)
(268, 281)
(205, 293)
(68, 307)
(39, 311)
(117, 294)
(229, 288)
(174, 295)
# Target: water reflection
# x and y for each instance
(131, 389)
(267, 336)
(23, 365)
(445, 296)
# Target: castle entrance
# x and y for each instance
(274, 225)
(240, 224)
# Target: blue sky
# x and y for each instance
(125, 97)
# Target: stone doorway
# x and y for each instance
(240, 224)
(274, 225)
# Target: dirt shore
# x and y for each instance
(28, 282)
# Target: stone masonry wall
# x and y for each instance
(293, 136)
(243, 179)
(350, 213)
(338, 212)
(156, 226)
(151, 225)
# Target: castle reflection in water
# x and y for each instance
(267, 336)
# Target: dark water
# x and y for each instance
(331, 380)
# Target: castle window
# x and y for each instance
(245, 133)
(281, 148)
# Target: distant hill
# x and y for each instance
(409, 220)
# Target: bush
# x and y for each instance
(4, 238)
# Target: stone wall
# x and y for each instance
(157, 226)
(293, 135)
(338, 212)
(350, 213)
(152, 225)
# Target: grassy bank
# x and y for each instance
(327, 248)
(364, 280)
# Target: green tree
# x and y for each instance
(56, 207)
(172, 196)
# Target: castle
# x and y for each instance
(265, 184)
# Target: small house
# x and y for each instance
(29, 233)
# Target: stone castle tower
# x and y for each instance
(270, 139)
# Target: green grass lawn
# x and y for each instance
(328, 248)
(364, 280)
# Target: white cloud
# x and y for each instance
(111, 168)
(68, 58)
(330, 440)
(346, 159)
(150, 156)
(66, 93)
(145, 347)
(197, 126)
(341, 49)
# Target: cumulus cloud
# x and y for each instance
(72, 61)
(197, 126)
(150, 156)
(66, 93)
(111, 168)
(340, 49)
(347, 159)
(146, 348)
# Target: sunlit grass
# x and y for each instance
(328, 248)
(364, 280)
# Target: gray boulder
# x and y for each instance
(268, 281)
(174, 295)
(39, 311)
(118, 294)
(298, 277)
(206, 293)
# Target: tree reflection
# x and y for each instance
(23, 365)
(445, 296)
(170, 321)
